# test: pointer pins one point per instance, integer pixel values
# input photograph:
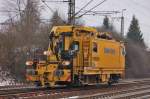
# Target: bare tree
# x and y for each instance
(19, 35)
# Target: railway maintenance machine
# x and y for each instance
(78, 55)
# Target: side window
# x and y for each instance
(109, 51)
(94, 47)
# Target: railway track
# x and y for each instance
(121, 94)
(116, 92)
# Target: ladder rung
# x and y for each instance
(86, 41)
(86, 44)
(86, 47)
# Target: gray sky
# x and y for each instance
(139, 8)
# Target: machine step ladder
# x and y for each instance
(85, 57)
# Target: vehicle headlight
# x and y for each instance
(66, 62)
(29, 63)
(47, 53)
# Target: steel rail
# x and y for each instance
(65, 92)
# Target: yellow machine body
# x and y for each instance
(80, 55)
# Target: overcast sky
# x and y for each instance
(139, 8)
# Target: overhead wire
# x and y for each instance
(84, 7)
(5, 22)
(47, 6)
(92, 8)
(100, 12)
(51, 8)
(132, 9)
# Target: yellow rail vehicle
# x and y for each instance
(80, 55)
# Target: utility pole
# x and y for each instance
(71, 9)
(71, 12)
(122, 23)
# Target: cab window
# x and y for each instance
(75, 45)
(94, 47)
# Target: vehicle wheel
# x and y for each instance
(47, 85)
(109, 83)
(37, 84)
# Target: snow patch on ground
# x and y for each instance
(5, 78)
